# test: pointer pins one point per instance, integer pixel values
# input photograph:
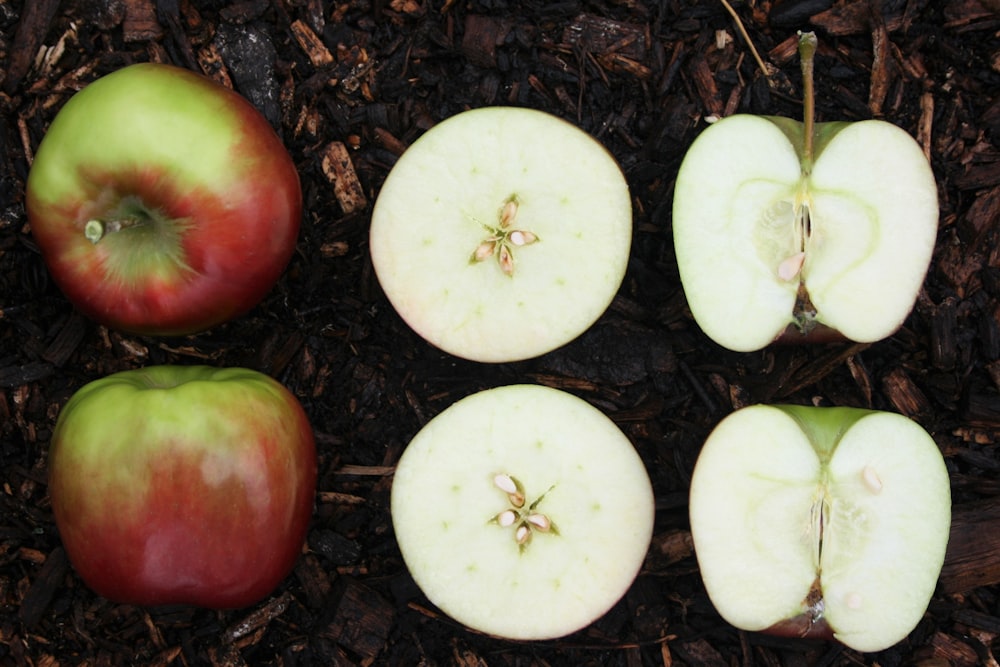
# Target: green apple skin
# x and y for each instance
(183, 485)
(215, 189)
(582, 472)
(738, 197)
(821, 522)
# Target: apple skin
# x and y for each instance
(183, 485)
(214, 183)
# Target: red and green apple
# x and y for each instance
(502, 233)
(183, 485)
(162, 202)
(784, 228)
(821, 522)
(522, 512)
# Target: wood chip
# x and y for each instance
(339, 170)
(905, 395)
(140, 24)
(362, 620)
(319, 55)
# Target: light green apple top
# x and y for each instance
(165, 117)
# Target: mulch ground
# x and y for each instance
(363, 79)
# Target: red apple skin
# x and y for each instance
(198, 161)
(183, 485)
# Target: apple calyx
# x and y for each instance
(503, 239)
(527, 520)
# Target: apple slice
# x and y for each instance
(502, 233)
(780, 223)
(821, 522)
(522, 512)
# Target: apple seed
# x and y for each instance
(506, 518)
(871, 479)
(505, 483)
(791, 266)
(540, 521)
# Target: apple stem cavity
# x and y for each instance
(502, 239)
(527, 521)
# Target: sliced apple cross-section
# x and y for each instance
(755, 231)
(821, 522)
(522, 512)
(502, 233)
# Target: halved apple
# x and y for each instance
(502, 233)
(829, 522)
(780, 223)
(522, 512)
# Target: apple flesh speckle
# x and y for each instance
(502, 233)
(522, 512)
(821, 522)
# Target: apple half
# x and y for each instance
(822, 522)
(502, 233)
(522, 512)
(784, 225)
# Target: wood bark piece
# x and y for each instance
(43, 589)
(339, 170)
(35, 21)
(483, 34)
(362, 620)
(603, 36)
(140, 24)
(905, 395)
(973, 556)
(319, 55)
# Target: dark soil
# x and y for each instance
(641, 77)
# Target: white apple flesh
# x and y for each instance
(502, 233)
(522, 512)
(813, 520)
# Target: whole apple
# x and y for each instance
(183, 485)
(162, 202)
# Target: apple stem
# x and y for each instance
(95, 229)
(807, 52)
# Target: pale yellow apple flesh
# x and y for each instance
(754, 228)
(540, 569)
(833, 517)
(502, 233)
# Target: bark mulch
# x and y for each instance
(349, 85)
